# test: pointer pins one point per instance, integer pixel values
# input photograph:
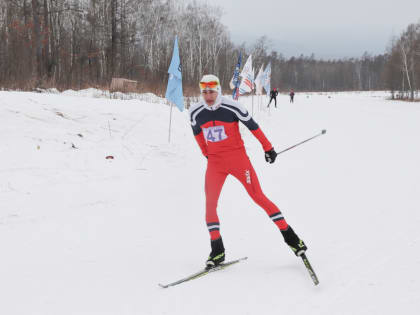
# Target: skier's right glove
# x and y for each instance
(270, 156)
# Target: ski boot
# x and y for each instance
(294, 242)
(217, 254)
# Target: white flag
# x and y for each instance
(231, 85)
(259, 81)
(267, 78)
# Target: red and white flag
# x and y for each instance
(247, 75)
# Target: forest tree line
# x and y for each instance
(402, 72)
(85, 43)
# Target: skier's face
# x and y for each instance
(209, 97)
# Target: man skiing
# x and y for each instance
(273, 96)
(292, 95)
(214, 122)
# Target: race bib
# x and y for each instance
(215, 134)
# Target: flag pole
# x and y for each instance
(170, 123)
(252, 103)
(174, 89)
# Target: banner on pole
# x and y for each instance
(259, 81)
(247, 75)
(235, 79)
(174, 88)
(267, 79)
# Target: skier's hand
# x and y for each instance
(270, 156)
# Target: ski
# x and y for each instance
(310, 269)
(203, 273)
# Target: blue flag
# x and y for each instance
(174, 89)
(236, 80)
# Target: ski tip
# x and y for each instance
(324, 131)
(163, 286)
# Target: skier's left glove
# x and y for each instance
(270, 156)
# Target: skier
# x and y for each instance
(214, 122)
(292, 95)
(273, 96)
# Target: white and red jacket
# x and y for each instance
(216, 127)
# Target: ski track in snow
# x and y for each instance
(82, 234)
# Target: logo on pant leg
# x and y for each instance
(248, 177)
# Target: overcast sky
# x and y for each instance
(327, 28)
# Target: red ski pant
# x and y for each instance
(238, 165)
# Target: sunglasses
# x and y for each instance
(208, 85)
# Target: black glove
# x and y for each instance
(270, 156)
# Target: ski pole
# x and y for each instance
(324, 131)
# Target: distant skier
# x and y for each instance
(292, 95)
(214, 121)
(273, 96)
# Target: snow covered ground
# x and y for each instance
(82, 234)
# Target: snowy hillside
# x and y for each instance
(82, 234)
